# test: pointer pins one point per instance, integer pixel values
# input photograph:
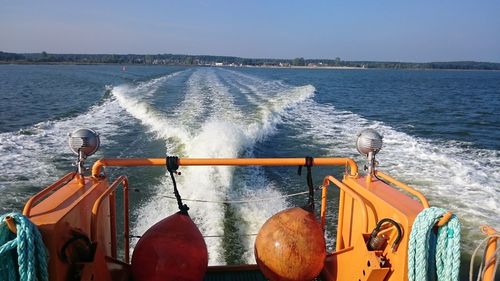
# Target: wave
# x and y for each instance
(35, 156)
(450, 174)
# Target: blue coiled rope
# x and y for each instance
(23, 256)
(429, 255)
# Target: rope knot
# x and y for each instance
(172, 164)
(309, 163)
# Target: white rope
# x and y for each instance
(483, 265)
(239, 201)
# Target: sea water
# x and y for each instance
(441, 135)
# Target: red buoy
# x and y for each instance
(172, 249)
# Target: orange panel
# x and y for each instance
(69, 208)
(382, 201)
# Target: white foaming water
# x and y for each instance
(270, 97)
(206, 96)
(209, 124)
(465, 181)
(31, 153)
(37, 155)
(129, 98)
(254, 186)
(153, 119)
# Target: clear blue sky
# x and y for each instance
(399, 30)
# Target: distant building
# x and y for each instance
(219, 64)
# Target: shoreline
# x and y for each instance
(308, 67)
(244, 66)
(186, 65)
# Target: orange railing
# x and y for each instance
(405, 187)
(110, 193)
(353, 171)
(96, 169)
(490, 253)
(355, 196)
(40, 195)
(342, 187)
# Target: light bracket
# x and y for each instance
(83, 142)
(369, 143)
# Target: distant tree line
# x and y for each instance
(174, 59)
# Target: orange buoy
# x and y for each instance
(290, 246)
(172, 249)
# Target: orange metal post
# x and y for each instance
(126, 222)
(343, 189)
(368, 179)
(11, 224)
(95, 211)
(96, 169)
(339, 243)
(356, 197)
(324, 191)
(490, 253)
(112, 223)
(81, 179)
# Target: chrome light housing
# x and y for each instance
(368, 141)
(84, 142)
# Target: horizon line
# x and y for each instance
(256, 58)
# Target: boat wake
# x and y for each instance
(227, 114)
(215, 119)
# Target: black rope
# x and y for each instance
(172, 166)
(395, 224)
(83, 256)
(375, 175)
(310, 184)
